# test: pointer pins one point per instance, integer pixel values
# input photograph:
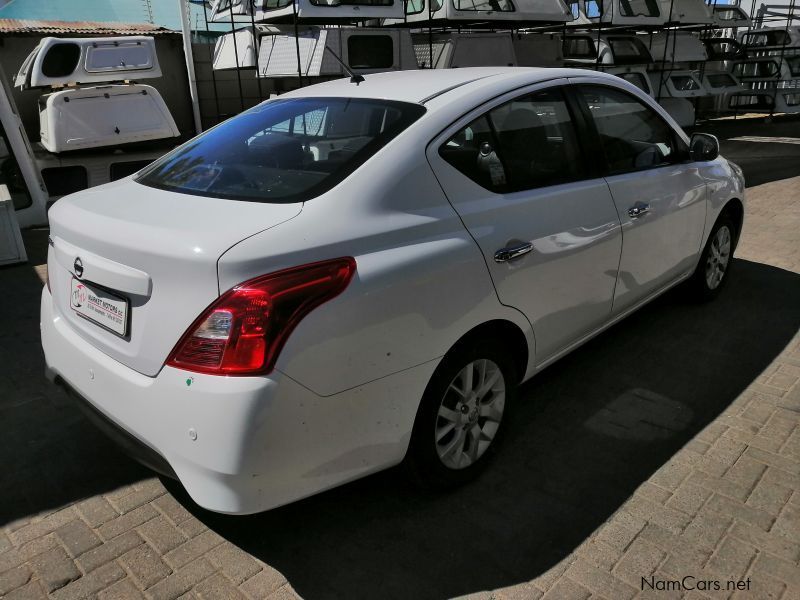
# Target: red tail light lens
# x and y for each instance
(243, 332)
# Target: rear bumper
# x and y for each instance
(238, 444)
(130, 444)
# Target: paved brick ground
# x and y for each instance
(727, 505)
(667, 447)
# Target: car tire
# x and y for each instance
(713, 269)
(460, 421)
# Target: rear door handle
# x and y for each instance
(512, 252)
(638, 209)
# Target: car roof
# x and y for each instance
(422, 85)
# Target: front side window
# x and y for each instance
(632, 135)
(282, 151)
(527, 143)
(484, 5)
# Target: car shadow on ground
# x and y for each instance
(584, 435)
(50, 455)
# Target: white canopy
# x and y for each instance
(487, 11)
(316, 11)
(60, 61)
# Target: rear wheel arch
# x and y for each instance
(491, 347)
(507, 333)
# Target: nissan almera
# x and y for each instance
(359, 274)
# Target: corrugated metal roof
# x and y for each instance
(80, 27)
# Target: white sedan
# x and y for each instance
(359, 274)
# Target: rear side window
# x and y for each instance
(118, 57)
(370, 51)
(632, 135)
(639, 8)
(282, 151)
(61, 181)
(527, 143)
(61, 60)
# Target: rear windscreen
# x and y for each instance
(283, 151)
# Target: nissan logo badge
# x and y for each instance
(78, 267)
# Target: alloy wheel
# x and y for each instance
(470, 413)
(719, 256)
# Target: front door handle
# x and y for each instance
(638, 209)
(506, 254)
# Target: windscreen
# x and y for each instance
(282, 151)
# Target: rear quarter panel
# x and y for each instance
(421, 281)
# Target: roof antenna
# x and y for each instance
(354, 78)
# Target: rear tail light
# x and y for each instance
(243, 332)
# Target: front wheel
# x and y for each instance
(460, 417)
(715, 262)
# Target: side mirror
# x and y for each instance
(703, 147)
